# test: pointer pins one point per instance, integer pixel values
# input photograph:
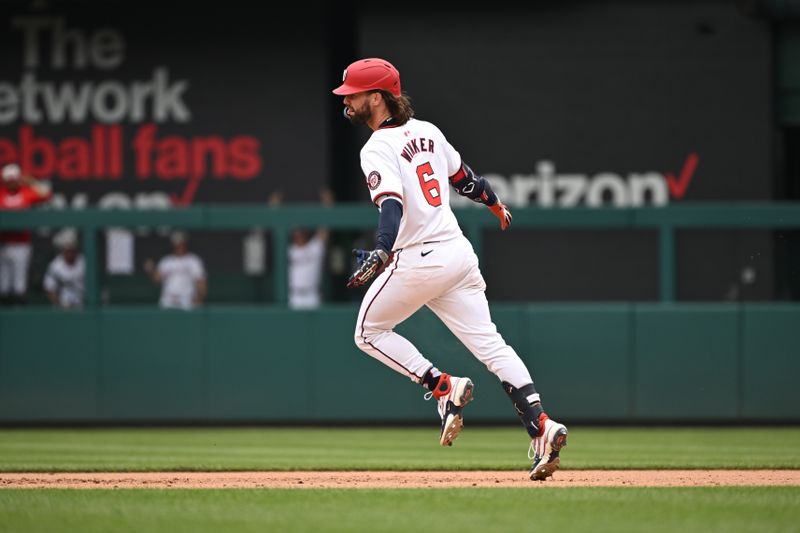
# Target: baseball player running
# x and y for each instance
(422, 258)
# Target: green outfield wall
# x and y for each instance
(604, 362)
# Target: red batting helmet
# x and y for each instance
(369, 75)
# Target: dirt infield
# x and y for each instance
(232, 480)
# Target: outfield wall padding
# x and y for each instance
(599, 362)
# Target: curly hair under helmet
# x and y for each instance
(399, 106)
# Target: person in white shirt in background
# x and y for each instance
(64, 280)
(181, 274)
(18, 192)
(306, 258)
(307, 252)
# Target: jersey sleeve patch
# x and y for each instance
(373, 180)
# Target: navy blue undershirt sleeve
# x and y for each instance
(389, 224)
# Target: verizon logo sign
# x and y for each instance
(547, 188)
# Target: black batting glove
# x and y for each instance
(370, 264)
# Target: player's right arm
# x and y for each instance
(379, 164)
(386, 191)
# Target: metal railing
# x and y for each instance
(280, 221)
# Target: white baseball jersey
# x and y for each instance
(433, 265)
(179, 274)
(305, 273)
(414, 163)
(66, 280)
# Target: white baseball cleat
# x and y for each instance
(452, 395)
(545, 448)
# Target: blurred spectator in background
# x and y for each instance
(181, 274)
(306, 261)
(63, 281)
(17, 192)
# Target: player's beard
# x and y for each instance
(361, 116)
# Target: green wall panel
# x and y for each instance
(259, 364)
(771, 362)
(580, 358)
(266, 364)
(48, 365)
(153, 365)
(351, 385)
(687, 362)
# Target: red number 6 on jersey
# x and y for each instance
(429, 184)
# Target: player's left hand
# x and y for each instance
(500, 210)
(370, 264)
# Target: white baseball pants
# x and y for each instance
(446, 279)
(14, 260)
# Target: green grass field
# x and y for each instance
(723, 509)
(388, 449)
(726, 509)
